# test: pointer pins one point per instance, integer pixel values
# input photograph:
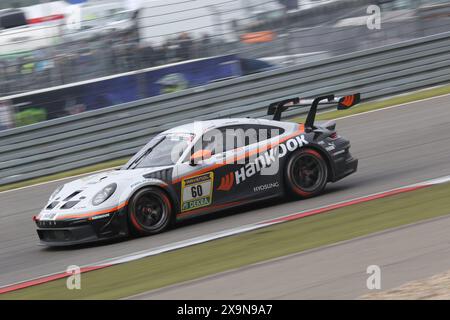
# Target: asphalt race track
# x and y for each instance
(331, 272)
(396, 147)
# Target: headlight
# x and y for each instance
(55, 193)
(103, 195)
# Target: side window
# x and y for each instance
(264, 132)
(244, 135)
(222, 139)
(236, 136)
(272, 131)
(212, 140)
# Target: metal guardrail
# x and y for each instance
(97, 136)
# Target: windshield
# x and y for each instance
(163, 150)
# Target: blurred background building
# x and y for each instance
(59, 58)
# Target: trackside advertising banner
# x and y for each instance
(109, 91)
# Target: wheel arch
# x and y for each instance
(291, 188)
(167, 189)
(132, 226)
(325, 155)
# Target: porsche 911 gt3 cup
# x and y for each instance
(199, 168)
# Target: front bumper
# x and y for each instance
(79, 231)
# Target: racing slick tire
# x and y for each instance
(150, 212)
(306, 174)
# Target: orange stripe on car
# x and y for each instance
(92, 214)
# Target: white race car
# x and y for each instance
(199, 168)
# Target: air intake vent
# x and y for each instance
(72, 195)
(52, 205)
(69, 204)
(164, 175)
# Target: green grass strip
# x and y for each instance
(429, 93)
(251, 247)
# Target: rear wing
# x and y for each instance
(345, 102)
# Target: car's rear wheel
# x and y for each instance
(306, 174)
(149, 211)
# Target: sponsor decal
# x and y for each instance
(330, 147)
(47, 216)
(47, 223)
(227, 182)
(266, 186)
(196, 192)
(268, 158)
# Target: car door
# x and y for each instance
(254, 173)
(195, 181)
(228, 175)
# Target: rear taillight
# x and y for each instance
(334, 135)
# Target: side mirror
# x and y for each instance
(200, 155)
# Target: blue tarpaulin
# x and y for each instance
(76, 1)
(129, 87)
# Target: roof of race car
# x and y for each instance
(199, 127)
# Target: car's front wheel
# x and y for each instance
(149, 211)
(306, 174)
